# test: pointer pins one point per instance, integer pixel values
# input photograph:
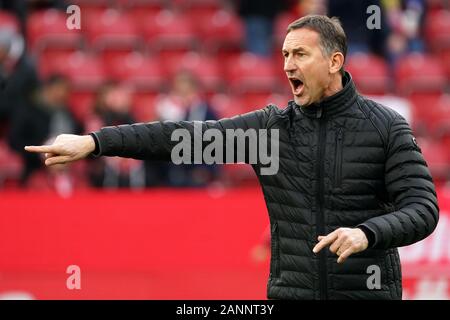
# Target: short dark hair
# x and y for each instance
(331, 34)
(56, 78)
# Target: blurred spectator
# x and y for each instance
(112, 108)
(184, 102)
(21, 8)
(46, 4)
(353, 16)
(17, 7)
(405, 19)
(259, 19)
(305, 7)
(112, 104)
(46, 117)
(18, 75)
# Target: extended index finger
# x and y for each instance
(41, 149)
(329, 239)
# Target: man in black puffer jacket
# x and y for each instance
(351, 175)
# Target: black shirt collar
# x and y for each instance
(333, 104)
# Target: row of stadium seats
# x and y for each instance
(109, 28)
(112, 35)
(103, 28)
(415, 73)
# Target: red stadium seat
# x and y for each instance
(421, 105)
(199, 11)
(221, 30)
(369, 72)
(81, 103)
(431, 113)
(437, 157)
(112, 29)
(91, 3)
(143, 10)
(205, 67)
(91, 7)
(85, 71)
(86, 74)
(47, 29)
(169, 31)
(251, 73)
(112, 33)
(127, 4)
(436, 4)
(437, 30)
(139, 71)
(194, 4)
(278, 63)
(50, 61)
(281, 23)
(256, 101)
(8, 20)
(440, 117)
(444, 56)
(419, 73)
(143, 107)
(227, 105)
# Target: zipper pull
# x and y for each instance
(339, 134)
(319, 113)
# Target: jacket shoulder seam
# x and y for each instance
(368, 115)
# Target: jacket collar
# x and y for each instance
(331, 105)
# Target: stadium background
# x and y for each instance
(159, 238)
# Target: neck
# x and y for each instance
(334, 86)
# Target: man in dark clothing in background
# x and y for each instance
(259, 17)
(45, 118)
(351, 176)
(18, 76)
(353, 16)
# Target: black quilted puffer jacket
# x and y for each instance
(344, 162)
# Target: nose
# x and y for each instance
(289, 65)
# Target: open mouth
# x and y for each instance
(297, 86)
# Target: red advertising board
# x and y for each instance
(164, 244)
(426, 264)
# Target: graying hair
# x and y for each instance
(332, 36)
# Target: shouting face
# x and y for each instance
(311, 73)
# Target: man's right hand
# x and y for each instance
(66, 148)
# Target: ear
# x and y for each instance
(336, 62)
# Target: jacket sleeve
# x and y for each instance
(153, 140)
(411, 190)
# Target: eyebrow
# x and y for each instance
(295, 50)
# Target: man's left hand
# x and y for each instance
(343, 242)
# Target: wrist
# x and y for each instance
(370, 237)
(90, 143)
(96, 152)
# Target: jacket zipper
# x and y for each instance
(276, 251)
(323, 275)
(338, 168)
